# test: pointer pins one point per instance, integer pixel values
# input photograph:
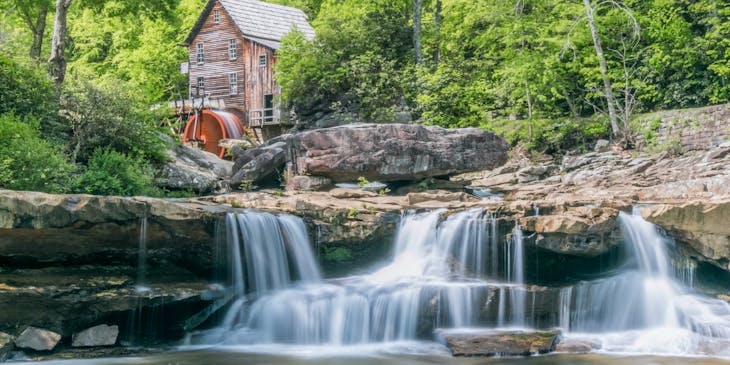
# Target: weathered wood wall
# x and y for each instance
(259, 79)
(254, 81)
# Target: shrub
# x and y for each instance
(27, 162)
(27, 91)
(550, 136)
(110, 117)
(113, 173)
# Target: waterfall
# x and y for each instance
(442, 274)
(457, 272)
(268, 252)
(645, 307)
(142, 255)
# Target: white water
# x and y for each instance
(455, 273)
(646, 308)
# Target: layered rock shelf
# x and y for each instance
(70, 262)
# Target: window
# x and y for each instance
(201, 86)
(269, 108)
(201, 54)
(233, 83)
(216, 16)
(262, 60)
(232, 49)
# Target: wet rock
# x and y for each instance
(308, 183)
(6, 345)
(577, 345)
(394, 152)
(101, 335)
(500, 343)
(196, 170)
(37, 339)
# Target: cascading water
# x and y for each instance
(443, 274)
(451, 273)
(645, 308)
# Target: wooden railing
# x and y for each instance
(262, 117)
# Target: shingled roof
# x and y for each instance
(258, 21)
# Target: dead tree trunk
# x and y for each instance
(610, 99)
(57, 61)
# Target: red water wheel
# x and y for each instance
(212, 126)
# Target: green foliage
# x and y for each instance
(109, 116)
(28, 162)
(113, 173)
(362, 181)
(338, 254)
(551, 136)
(25, 91)
(355, 65)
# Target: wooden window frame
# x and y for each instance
(265, 60)
(216, 16)
(200, 53)
(200, 84)
(232, 50)
(233, 83)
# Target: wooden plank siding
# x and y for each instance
(253, 81)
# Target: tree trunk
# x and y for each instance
(39, 30)
(610, 99)
(37, 26)
(437, 23)
(417, 9)
(57, 61)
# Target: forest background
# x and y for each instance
(549, 75)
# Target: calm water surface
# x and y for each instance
(236, 356)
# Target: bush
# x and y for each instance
(27, 162)
(110, 117)
(27, 91)
(551, 136)
(113, 173)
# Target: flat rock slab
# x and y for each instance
(37, 339)
(101, 335)
(500, 343)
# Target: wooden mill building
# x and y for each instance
(232, 52)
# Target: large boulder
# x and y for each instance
(195, 170)
(394, 152)
(500, 343)
(37, 339)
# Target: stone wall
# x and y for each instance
(688, 129)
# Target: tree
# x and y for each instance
(34, 14)
(607, 89)
(57, 60)
(417, 10)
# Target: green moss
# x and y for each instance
(338, 254)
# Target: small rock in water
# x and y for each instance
(37, 339)
(101, 335)
(500, 343)
(577, 345)
(6, 345)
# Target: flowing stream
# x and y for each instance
(456, 272)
